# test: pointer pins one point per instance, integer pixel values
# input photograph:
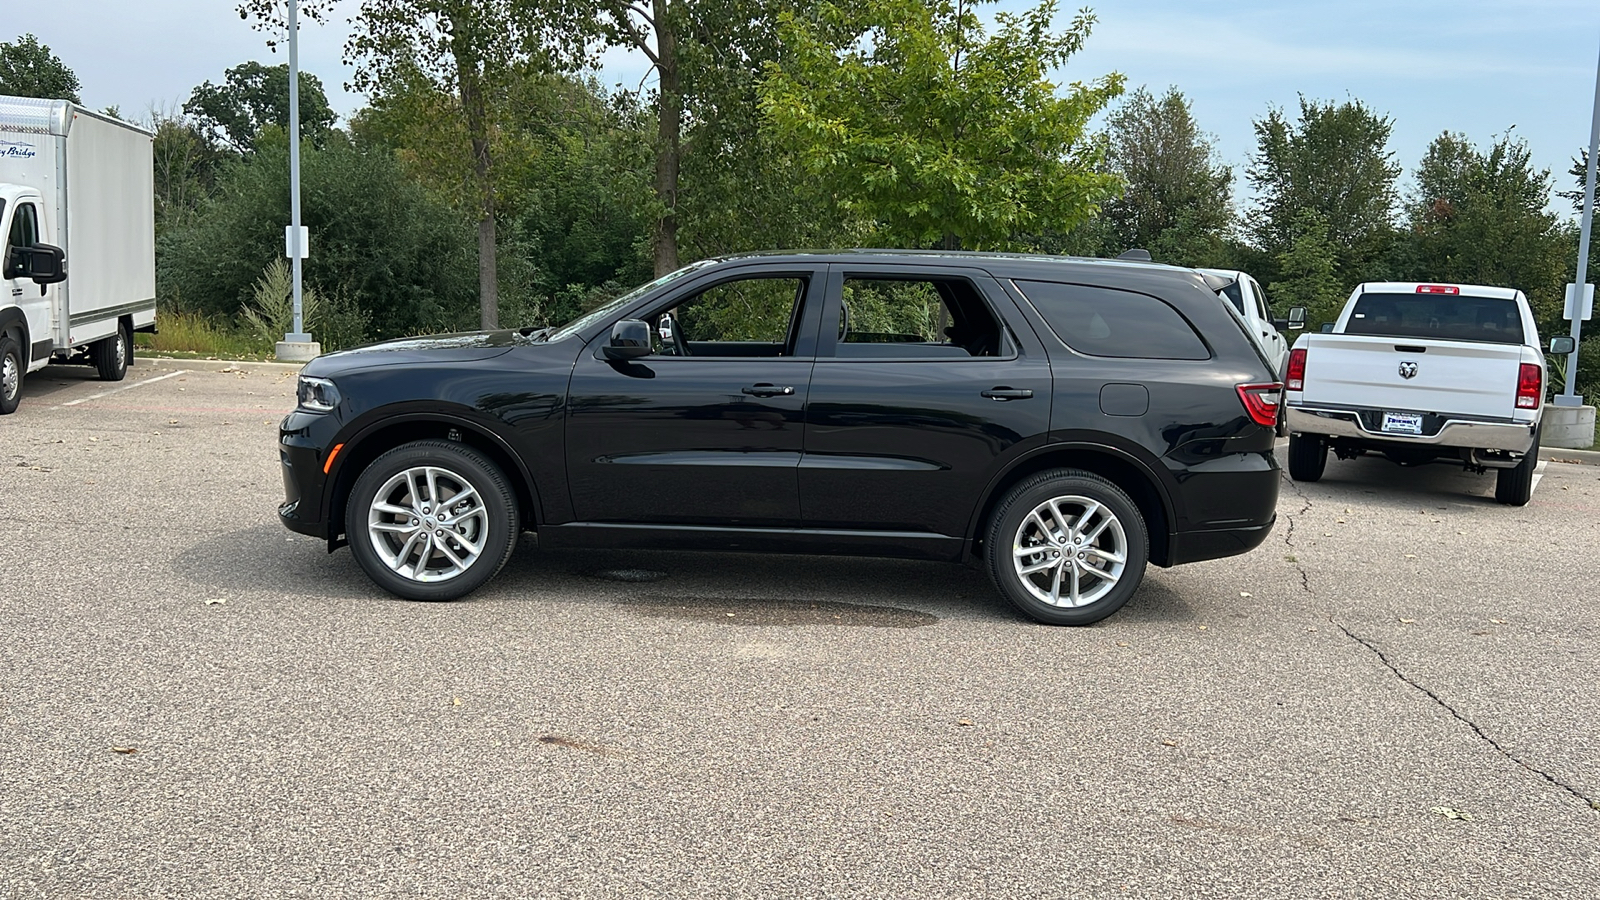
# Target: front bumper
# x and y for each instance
(1512, 437)
(302, 438)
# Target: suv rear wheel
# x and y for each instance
(1067, 547)
(432, 520)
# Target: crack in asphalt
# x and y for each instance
(1389, 664)
(1305, 584)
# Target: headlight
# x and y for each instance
(317, 394)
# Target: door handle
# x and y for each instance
(767, 390)
(1005, 393)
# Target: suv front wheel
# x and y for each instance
(432, 520)
(1067, 547)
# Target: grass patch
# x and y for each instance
(189, 335)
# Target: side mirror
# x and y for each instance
(42, 263)
(1561, 346)
(630, 339)
(1283, 324)
(1327, 328)
(1297, 319)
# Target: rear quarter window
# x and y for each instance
(1100, 321)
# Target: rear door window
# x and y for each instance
(1445, 317)
(1107, 322)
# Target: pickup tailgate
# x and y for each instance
(1447, 377)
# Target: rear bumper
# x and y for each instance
(1512, 437)
(1198, 546)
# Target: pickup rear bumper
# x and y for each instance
(1512, 437)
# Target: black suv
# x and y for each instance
(1062, 421)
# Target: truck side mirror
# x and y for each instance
(41, 262)
(1297, 318)
(630, 339)
(1561, 346)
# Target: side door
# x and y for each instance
(27, 230)
(920, 391)
(708, 429)
(1272, 340)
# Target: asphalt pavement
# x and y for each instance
(1396, 696)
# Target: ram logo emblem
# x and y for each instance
(1408, 370)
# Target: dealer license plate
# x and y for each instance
(1402, 423)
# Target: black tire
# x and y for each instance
(493, 522)
(1013, 526)
(13, 368)
(112, 355)
(1308, 456)
(1514, 486)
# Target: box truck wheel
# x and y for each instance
(111, 355)
(12, 368)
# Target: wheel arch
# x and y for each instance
(12, 319)
(392, 430)
(1120, 468)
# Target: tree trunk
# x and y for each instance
(669, 130)
(475, 106)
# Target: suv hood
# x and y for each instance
(465, 346)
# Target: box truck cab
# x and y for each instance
(77, 240)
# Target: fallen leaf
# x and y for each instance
(1122, 643)
(964, 722)
(93, 440)
(1203, 627)
(1169, 743)
(1338, 521)
(457, 702)
(1244, 593)
(1408, 621)
(1327, 534)
(1411, 556)
(215, 601)
(1450, 813)
(1498, 621)
(124, 750)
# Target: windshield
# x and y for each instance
(604, 311)
(1446, 317)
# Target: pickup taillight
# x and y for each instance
(1530, 386)
(1295, 378)
(1261, 402)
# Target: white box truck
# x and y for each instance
(77, 260)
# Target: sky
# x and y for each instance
(1479, 67)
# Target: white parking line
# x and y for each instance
(122, 387)
(1538, 474)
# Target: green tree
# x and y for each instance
(1177, 199)
(187, 161)
(380, 240)
(1334, 161)
(253, 96)
(935, 133)
(710, 162)
(1306, 268)
(467, 49)
(1480, 217)
(29, 69)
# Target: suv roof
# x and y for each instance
(1017, 264)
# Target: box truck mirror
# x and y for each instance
(43, 263)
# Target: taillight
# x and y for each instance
(1261, 402)
(1295, 378)
(1530, 386)
(1438, 289)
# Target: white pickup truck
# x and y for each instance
(1421, 373)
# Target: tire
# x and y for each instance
(407, 479)
(1047, 510)
(1514, 486)
(1308, 456)
(112, 355)
(13, 368)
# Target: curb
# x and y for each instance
(1576, 457)
(216, 364)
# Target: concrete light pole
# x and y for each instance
(297, 345)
